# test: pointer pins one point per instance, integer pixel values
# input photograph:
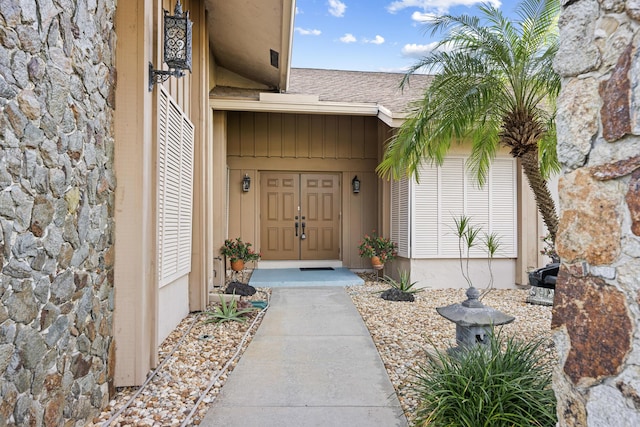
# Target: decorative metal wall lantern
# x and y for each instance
(246, 183)
(178, 35)
(355, 184)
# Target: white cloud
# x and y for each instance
(438, 7)
(348, 38)
(422, 18)
(298, 11)
(377, 40)
(306, 32)
(337, 8)
(414, 50)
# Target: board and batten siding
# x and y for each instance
(301, 136)
(428, 209)
(349, 145)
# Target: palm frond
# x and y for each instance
(494, 71)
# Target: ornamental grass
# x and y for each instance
(502, 384)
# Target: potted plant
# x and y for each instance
(379, 249)
(238, 253)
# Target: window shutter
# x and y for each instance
(503, 205)
(175, 189)
(452, 203)
(426, 240)
(400, 201)
(449, 191)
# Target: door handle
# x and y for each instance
(303, 236)
(296, 228)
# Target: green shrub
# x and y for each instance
(404, 284)
(229, 312)
(502, 384)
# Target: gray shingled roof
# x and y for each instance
(358, 86)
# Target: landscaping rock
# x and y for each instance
(394, 294)
(241, 289)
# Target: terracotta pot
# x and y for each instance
(376, 263)
(237, 265)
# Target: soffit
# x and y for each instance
(242, 33)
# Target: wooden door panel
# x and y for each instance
(316, 197)
(279, 207)
(321, 209)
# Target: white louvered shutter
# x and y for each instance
(503, 205)
(452, 203)
(449, 191)
(426, 239)
(175, 189)
(400, 219)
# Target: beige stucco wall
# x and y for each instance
(445, 273)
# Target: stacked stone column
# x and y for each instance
(596, 312)
(56, 210)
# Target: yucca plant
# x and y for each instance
(228, 312)
(468, 237)
(503, 384)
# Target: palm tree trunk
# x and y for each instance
(544, 201)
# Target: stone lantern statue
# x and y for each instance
(473, 320)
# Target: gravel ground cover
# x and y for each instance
(402, 332)
(198, 355)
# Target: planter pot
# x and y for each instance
(237, 265)
(376, 263)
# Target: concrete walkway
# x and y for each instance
(311, 363)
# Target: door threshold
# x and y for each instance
(299, 264)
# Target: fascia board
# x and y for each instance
(321, 107)
(393, 121)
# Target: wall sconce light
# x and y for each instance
(178, 35)
(355, 184)
(246, 183)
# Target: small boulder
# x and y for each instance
(394, 294)
(241, 289)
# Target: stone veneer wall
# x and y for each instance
(596, 313)
(56, 209)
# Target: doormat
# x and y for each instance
(315, 268)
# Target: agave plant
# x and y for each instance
(228, 312)
(400, 290)
(404, 284)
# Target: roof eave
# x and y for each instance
(392, 119)
(268, 104)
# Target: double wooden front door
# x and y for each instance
(299, 216)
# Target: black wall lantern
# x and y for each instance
(355, 184)
(246, 183)
(178, 35)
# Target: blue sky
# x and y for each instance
(370, 35)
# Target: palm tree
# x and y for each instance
(493, 85)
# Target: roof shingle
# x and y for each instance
(382, 89)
